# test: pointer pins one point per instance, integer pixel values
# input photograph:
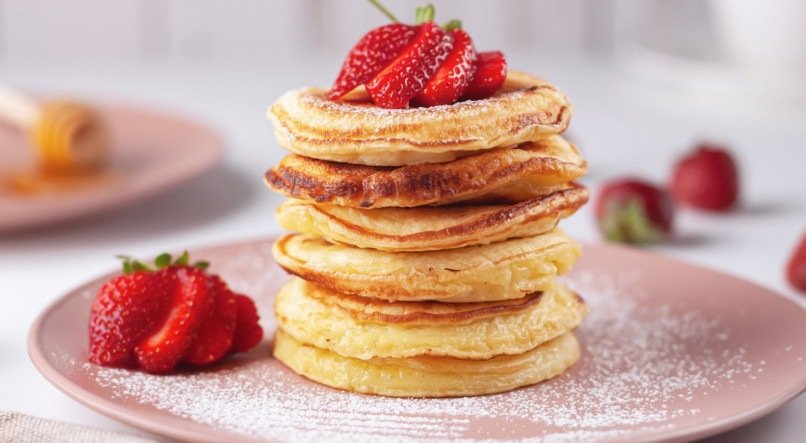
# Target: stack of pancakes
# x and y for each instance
(427, 249)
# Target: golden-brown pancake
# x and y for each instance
(366, 328)
(431, 227)
(307, 123)
(496, 271)
(427, 376)
(510, 174)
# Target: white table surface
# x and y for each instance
(622, 126)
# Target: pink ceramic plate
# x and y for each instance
(150, 153)
(670, 352)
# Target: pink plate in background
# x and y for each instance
(670, 351)
(150, 153)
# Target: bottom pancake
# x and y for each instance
(427, 376)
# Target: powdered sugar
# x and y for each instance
(643, 367)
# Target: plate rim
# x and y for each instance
(120, 413)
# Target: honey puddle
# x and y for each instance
(36, 182)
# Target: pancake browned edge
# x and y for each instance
(495, 271)
(512, 174)
(526, 108)
(431, 228)
(367, 328)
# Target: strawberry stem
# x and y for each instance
(384, 11)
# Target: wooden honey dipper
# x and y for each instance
(68, 137)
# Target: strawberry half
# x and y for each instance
(122, 315)
(634, 211)
(408, 73)
(491, 71)
(370, 55)
(453, 77)
(248, 332)
(189, 307)
(214, 337)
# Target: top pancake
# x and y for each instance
(505, 174)
(525, 109)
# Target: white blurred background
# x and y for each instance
(218, 31)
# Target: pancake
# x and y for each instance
(496, 271)
(509, 174)
(427, 376)
(431, 228)
(307, 123)
(365, 328)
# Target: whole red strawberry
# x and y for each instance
(707, 179)
(155, 318)
(796, 268)
(634, 211)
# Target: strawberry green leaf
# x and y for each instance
(139, 266)
(201, 264)
(453, 24)
(163, 260)
(627, 222)
(424, 14)
(183, 259)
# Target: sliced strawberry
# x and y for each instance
(123, 313)
(189, 307)
(453, 77)
(491, 71)
(248, 332)
(371, 54)
(408, 73)
(214, 337)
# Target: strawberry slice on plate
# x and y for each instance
(453, 77)
(122, 315)
(162, 350)
(491, 71)
(370, 55)
(248, 332)
(214, 337)
(408, 73)
(156, 317)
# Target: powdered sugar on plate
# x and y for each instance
(644, 366)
